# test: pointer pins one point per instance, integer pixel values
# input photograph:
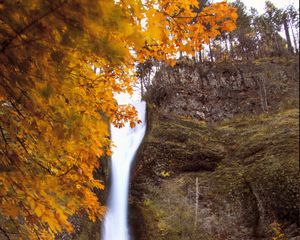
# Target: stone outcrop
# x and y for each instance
(214, 92)
(247, 171)
(229, 132)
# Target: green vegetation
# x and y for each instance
(247, 169)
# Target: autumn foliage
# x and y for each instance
(55, 110)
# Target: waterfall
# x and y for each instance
(126, 141)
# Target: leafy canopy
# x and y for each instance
(54, 109)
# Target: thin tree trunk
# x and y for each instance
(200, 56)
(142, 89)
(263, 94)
(278, 52)
(226, 47)
(180, 54)
(196, 203)
(231, 46)
(210, 52)
(294, 38)
(287, 34)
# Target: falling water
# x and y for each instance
(126, 141)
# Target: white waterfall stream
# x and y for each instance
(126, 141)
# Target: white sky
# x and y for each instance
(259, 4)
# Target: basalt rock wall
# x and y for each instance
(214, 92)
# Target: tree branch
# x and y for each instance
(5, 233)
(4, 138)
(65, 173)
(13, 29)
(6, 43)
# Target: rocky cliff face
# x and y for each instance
(214, 92)
(232, 179)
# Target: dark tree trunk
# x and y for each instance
(231, 46)
(211, 53)
(278, 49)
(200, 56)
(226, 47)
(180, 54)
(142, 89)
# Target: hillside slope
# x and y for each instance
(242, 160)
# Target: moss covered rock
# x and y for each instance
(245, 170)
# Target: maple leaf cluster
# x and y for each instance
(55, 110)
